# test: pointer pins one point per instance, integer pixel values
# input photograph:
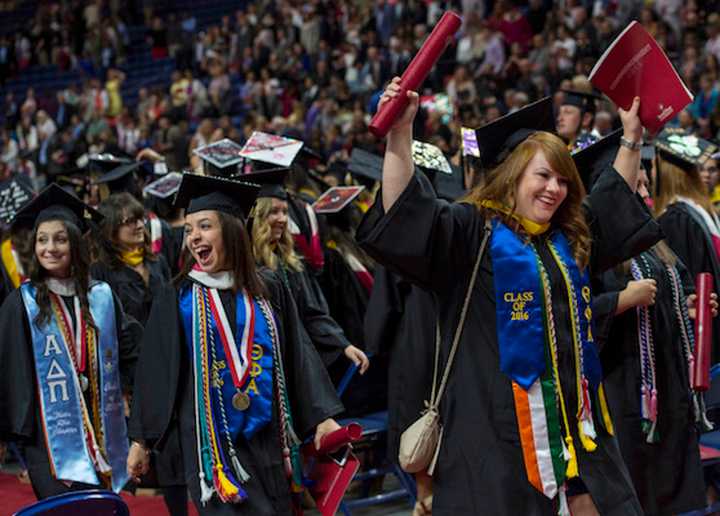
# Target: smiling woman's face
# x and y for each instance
(203, 237)
(540, 191)
(52, 248)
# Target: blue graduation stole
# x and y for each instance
(60, 393)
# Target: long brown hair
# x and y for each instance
(115, 210)
(267, 253)
(502, 182)
(238, 253)
(79, 272)
(674, 181)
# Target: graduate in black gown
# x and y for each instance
(686, 215)
(526, 425)
(67, 357)
(225, 358)
(646, 338)
(274, 247)
(127, 263)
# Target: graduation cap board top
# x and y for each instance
(164, 187)
(198, 193)
(221, 154)
(118, 173)
(429, 156)
(500, 137)
(684, 149)
(469, 142)
(271, 148)
(366, 164)
(15, 193)
(592, 160)
(336, 199)
(55, 203)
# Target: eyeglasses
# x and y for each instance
(130, 221)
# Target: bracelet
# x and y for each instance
(633, 146)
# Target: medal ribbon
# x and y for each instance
(75, 335)
(239, 357)
(156, 237)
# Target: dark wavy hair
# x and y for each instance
(79, 272)
(115, 209)
(238, 252)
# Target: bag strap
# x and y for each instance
(435, 396)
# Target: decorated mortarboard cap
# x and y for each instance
(198, 193)
(580, 99)
(55, 203)
(278, 151)
(164, 187)
(102, 162)
(683, 149)
(499, 138)
(220, 158)
(15, 192)
(366, 164)
(270, 181)
(336, 199)
(430, 157)
(592, 160)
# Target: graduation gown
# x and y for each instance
(164, 396)
(326, 334)
(129, 286)
(691, 242)
(400, 321)
(480, 469)
(19, 397)
(667, 475)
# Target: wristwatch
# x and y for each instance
(633, 146)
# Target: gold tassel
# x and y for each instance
(607, 420)
(227, 488)
(572, 467)
(588, 444)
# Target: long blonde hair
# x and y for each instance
(672, 182)
(502, 182)
(268, 253)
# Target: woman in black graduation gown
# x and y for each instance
(127, 263)
(274, 248)
(526, 426)
(226, 357)
(683, 209)
(646, 358)
(67, 356)
(125, 259)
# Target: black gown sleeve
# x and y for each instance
(17, 371)
(620, 224)
(325, 333)
(383, 313)
(312, 395)
(687, 240)
(158, 370)
(129, 335)
(424, 239)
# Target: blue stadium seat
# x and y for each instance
(94, 502)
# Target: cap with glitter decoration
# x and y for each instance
(683, 149)
(592, 160)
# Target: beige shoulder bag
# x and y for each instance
(420, 443)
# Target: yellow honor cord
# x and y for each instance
(530, 226)
(604, 409)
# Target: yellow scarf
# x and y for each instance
(531, 227)
(133, 258)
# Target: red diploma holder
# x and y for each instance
(416, 72)
(703, 332)
(331, 468)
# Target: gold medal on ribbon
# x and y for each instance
(240, 401)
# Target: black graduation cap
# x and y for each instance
(366, 164)
(592, 160)
(450, 187)
(198, 193)
(103, 162)
(270, 181)
(683, 149)
(118, 176)
(580, 99)
(165, 187)
(55, 203)
(498, 138)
